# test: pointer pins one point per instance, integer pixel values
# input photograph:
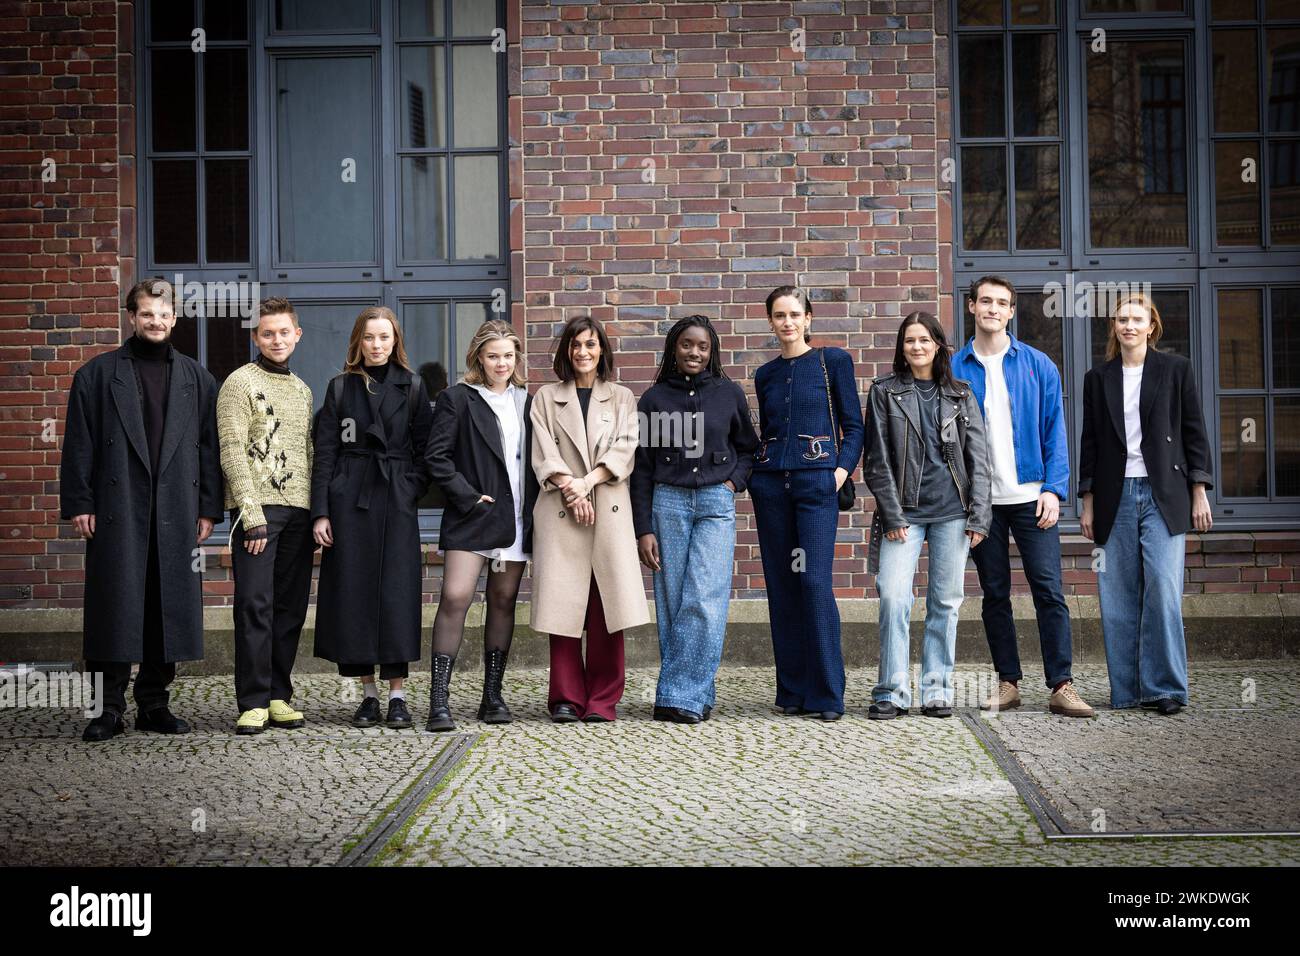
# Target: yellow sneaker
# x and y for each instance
(282, 715)
(252, 721)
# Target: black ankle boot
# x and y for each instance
(440, 693)
(493, 709)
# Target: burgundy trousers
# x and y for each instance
(597, 687)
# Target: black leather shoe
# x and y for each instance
(707, 712)
(564, 714)
(822, 714)
(677, 715)
(885, 710)
(1166, 706)
(936, 710)
(493, 709)
(440, 694)
(791, 711)
(595, 719)
(104, 727)
(160, 720)
(399, 718)
(367, 714)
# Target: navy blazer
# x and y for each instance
(794, 416)
(1174, 447)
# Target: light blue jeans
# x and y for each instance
(696, 530)
(1140, 585)
(949, 547)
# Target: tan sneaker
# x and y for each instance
(1007, 697)
(1068, 703)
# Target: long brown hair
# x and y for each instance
(1144, 301)
(355, 363)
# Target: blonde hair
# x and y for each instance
(1144, 301)
(355, 363)
(491, 331)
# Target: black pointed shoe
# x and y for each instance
(1167, 706)
(399, 718)
(676, 715)
(564, 714)
(104, 727)
(440, 694)
(160, 720)
(368, 714)
(493, 709)
(791, 711)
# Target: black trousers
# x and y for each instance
(155, 674)
(271, 592)
(386, 671)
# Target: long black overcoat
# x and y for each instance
(105, 471)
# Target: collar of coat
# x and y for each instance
(1154, 368)
(599, 418)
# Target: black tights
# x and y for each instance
(460, 574)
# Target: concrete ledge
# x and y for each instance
(1219, 627)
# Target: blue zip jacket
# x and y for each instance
(1037, 418)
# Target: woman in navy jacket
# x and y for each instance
(696, 451)
(1143, 475)
(811, 432)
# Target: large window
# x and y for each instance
(343, 154)
(1208, 222)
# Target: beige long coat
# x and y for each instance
(565, 554)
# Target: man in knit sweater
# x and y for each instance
(264, 416)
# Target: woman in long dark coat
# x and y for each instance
(368, 475)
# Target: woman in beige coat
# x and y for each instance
(585, 569)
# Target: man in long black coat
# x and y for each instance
(141, 481)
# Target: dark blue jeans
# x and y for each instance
(1040, 553)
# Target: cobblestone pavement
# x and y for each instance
(747, 787)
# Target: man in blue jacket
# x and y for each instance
(1019, 390)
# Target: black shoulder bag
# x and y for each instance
(848, 495)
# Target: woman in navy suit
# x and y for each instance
(1143, 475)
(811, 430)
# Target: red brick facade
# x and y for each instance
(665, 159)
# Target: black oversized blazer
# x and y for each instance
(1174, 446)
(466, 460)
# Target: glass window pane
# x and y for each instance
(1133, 6)
(1282, 66)
(321, 351)
(424, 332)
(1236, 193)
(1243, 454)
(1282, 10)
(226, 198)
(1286, 447)
(1137, 144)
(420, 18)
(175, 211)
(984, 197)
(1284, 192)
(1241, 338)
(225, 19)
(424, 208)
(1232, 9)
(474, 82)
(982, 106)
(173, 100)
(1174, 306)
(478, 218)
(1033, 84)
(185, 336)
(229, 342)
(1236, 81)
(171, 21)
(225, 99)
(1038, 197)
(1045, 333)
(473, 18)
(469, 316)
(1033, 11)
(423, 95)
(325, 149)
(979, 13)
(1285, 322)
(324, 16)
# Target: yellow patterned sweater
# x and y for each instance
(264, 421)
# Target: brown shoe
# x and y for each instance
(1067, 702)
(1007, 697)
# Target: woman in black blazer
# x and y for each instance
(1143, 475)
(479, 456)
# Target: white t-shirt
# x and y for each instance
(1135, 465)
(1007, 488)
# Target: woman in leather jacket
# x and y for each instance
(927, 466)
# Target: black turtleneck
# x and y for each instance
(378, 372)
(153, 364)
(279, 368)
